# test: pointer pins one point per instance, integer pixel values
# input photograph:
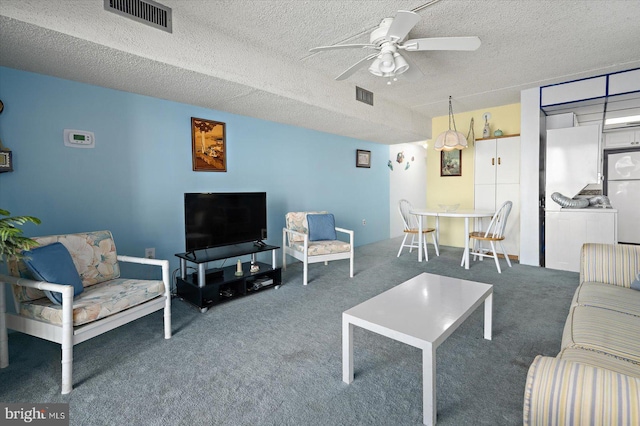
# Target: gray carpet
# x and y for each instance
(274, 358)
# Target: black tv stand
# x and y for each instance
(209, 274)
(191, 253)
(208, 287)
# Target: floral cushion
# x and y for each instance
(97, 301)
(94, 256)
(297, 221)
(323, 247)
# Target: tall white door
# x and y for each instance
(485, 197)
(497, 179)
(485, 162)
(508, 160)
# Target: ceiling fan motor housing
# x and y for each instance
(379, 35)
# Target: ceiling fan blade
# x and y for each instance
(413, 73)
(355, 67)
(343, 46)
(442, 43)
(402, 24)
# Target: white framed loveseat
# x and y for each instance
(106, 302)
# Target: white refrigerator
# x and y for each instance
(623, 190)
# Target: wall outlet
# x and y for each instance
(150, 253)
(364, 222)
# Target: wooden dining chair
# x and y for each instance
(494, 234)
(411, 228)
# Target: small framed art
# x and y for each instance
(451, 163)
(363, 158)
(208, 145)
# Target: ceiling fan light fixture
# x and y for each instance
(391, 36)
(450, 139)
(387, 64)
(375, 68)
(401, 64)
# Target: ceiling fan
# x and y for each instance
(389, 38)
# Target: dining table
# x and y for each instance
(438, 213)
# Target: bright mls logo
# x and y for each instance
(34, 414)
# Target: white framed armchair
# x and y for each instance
(299, 243)
(103, 301)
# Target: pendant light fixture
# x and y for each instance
(451, 139)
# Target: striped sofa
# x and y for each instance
(595, 379)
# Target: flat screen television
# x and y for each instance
(224, 218)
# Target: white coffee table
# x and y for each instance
(421, 312)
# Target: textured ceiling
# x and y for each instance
(252, 57)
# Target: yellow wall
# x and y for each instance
(459, 189)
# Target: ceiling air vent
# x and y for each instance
(364, 96)
(147, 11)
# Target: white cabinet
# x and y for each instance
(572, 161)
(567, 230)
(572, 91)
(496, 180)
(622, 139)
(624, 82)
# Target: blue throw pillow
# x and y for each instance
(636, 283)
(321, 227)
(53, 264)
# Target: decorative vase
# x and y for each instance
(239, 271)
(487, 131)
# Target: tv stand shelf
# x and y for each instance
(208, 287)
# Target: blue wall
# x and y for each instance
(133, 181)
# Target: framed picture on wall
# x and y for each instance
(208, 145)
(363, 158)
(451, 163)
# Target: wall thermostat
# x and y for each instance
(79, 139)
